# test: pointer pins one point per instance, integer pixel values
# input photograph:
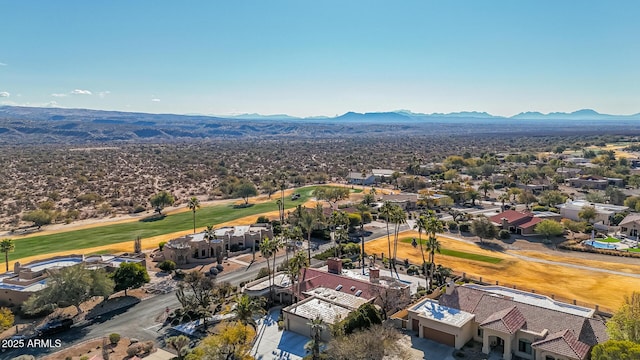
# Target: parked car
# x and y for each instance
(54, 327)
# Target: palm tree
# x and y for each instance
(307, 223)
(294, 266)
(266, 249)
(275, 246)
(6, 246)
(362, 209)
(504, 197)
(313, 346)
(421, 225)
(398, 217)
(386, 210)
(432, 227)
(247, 308)
(485, 187)
(473, 196)
(193, 204)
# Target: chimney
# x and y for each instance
(16, 267)
(334, 266)
(374, 275)
(450, 287)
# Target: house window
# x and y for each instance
(480, 333)
(548, 357)
(524, 346)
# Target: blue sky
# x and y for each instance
(309, 58)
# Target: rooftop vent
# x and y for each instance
(353, 288)
(359, 292)
(339, 287)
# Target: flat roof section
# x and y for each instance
(339, 297)
(536, 300)
(430, 309)
(313, 307)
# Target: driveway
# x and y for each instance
(272, 343)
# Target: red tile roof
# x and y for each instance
(509, 320)
(313, 278)
(563, 343)
(512, 217)
(533, 221)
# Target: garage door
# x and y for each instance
(439, 336)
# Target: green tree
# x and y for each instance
(160, 200)
(433, 246)
(549, 228)
(331, 194)
(552, 198)
(180, 344)
(588, 213)
(483, 228)
(245, 190)
(485, 187)
(130, 276)
(504, 197)
(268, 249)
(247, 308)
(398, 217)
(297, 262)
(69, 286)
(39, 217)
(197, 294)
(625, 323)
(6, 318)
(473, 196)
(421, 225)
(7, 246)
(232, 342)
(616, 350)
(193, 204)
(386, 210)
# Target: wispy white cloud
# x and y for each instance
(102, 94)
(155, 100)
(4, 94)
(58, 95)
(51, 104)
(80, 92)
(3, 64)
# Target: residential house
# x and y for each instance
(516, 222)
(382, 175)
(198, 248)
(358, 178)
(630, 225)
(594, 182)
(406, 201)
(511, 322)
(604, 212)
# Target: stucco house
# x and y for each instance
(604, 212)
(630, 225)
(511, 322)
(406, 201)
(357, 178)
(523, 223)
(198, 247)
(594, 182)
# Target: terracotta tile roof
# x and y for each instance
(564, 343)
(313, 278)
(533, 221)
(508, 320)
(512, 217)
(485, 305)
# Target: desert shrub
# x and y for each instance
(413, 270)
(161, 245)
(464, 227)
(263, 272)
(351, 249)
(263, 220)
(114, 338)
(134, 349)
(138, 209)
(147, 347)
(504, 234)
(539, 208)
(167, 265)
(452, 225)
(347, 263)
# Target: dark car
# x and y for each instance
(295, 196)
(54, 326)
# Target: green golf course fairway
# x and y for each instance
(117, 233)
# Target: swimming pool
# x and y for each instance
(601, 245)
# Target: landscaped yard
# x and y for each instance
(609, 240)
(123, 232)
(456, 253)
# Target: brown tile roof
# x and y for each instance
(484, 305)
(512, 217)
(564, 343)
(533, 221)
(508, 320)
(313, 278)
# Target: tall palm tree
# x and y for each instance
(313, 346)
(307, 223)
(386, 210)
(294, 266)
(433, 226)
(362, 209)
(6, 246)
(485, 186)
(266, 249)
(504, 197)
(421, 225)
(398, 217)
(193, 204)
(247, 308)
(276, 245)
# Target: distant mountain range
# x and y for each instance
(32, 125)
